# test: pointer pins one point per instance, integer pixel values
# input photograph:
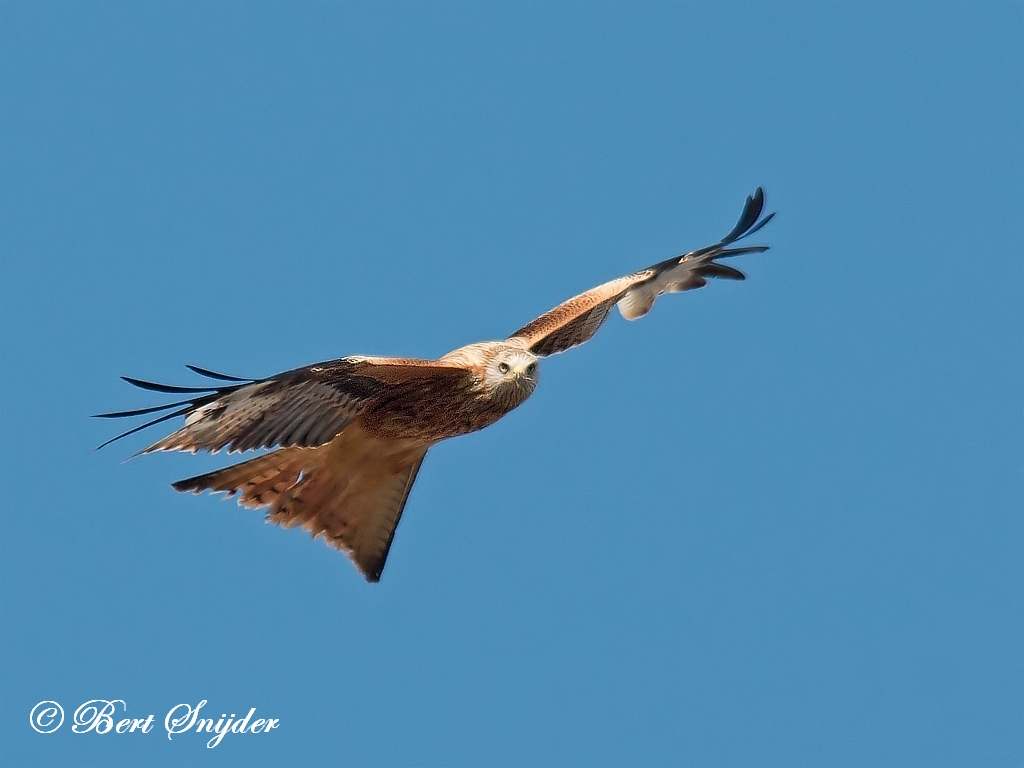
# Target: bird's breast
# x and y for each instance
(433, 416)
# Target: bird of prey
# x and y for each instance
(349, 435)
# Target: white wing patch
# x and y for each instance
(638, 301)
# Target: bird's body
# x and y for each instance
(349, 435)
(474, 400)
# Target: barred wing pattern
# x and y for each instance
(304, 407)
(575, 321)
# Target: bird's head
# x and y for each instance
(505, 369)
(515, 368)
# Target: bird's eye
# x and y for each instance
(503, 367)
(531, 368)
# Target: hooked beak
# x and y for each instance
(523, 369)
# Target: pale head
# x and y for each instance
(506, 369)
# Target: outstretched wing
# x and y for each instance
(305, 407)
(576, 320)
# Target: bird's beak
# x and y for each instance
(520, 370)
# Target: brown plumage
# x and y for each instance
(355, 509)
(349, 435)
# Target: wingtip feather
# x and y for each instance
(165, 388)
(748, 222)
(132, 431)
(138, 411)
(214, 375)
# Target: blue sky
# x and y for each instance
(774, 523)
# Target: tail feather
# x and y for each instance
(261, 481)
(351, 491)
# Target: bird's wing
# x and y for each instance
(305, 407)
(576, 320)
(351, 491)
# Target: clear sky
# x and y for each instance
(773, 523)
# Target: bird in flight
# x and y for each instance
(349, 435)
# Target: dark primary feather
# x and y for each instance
(306, 406)
(167, 388)
(209, 394)
(751, 212)
(214, 375)
(763, 221)
(712, 269)
(138, 411)
(747, 225)
(730, 252)
(182, 412)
